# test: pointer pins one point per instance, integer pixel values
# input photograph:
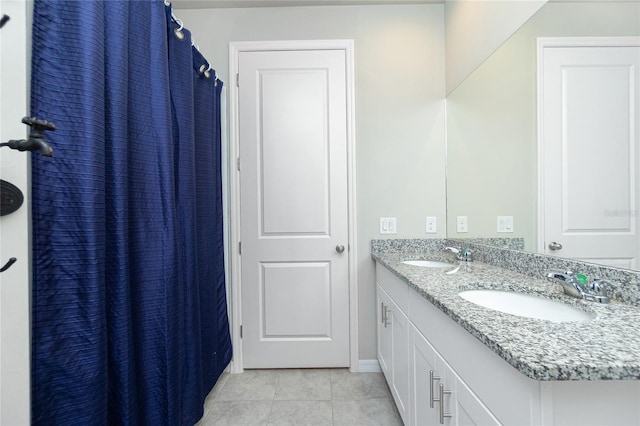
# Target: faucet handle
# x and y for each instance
(600, 286)
(466, 254)
(461, 253)
(598, 291)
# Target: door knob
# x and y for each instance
(555, 246)
(339, 248)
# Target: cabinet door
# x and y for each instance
(469, 409)
(384, 333)
(400, 360)
(393, 350)
(449, 396)
(427, 371)
(422, 369)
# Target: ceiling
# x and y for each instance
(212, 4)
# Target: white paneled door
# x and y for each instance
(292, 117)
(590, 136)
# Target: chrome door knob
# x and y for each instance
(555, 246)
(339, 248)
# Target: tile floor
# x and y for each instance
(300, 397)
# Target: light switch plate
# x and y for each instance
(461, 222)
(388, 225)
(505, 223)
(431, 225)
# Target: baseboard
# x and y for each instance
(369, 366)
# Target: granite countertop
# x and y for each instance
(604, 348)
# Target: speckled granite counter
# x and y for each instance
(605, 348)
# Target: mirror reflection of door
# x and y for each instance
(589, 136)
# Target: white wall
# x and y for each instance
(475, 28)
(399, 64)
(15, 290)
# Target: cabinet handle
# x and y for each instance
(381, 312)
(431, 380)
(387, 318)
(443, 415)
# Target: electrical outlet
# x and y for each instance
(505, 223)
(461, 222)
(431, 225)
(388, 225)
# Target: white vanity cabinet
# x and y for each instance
(410, 365)
(393, 350)
(420, 347)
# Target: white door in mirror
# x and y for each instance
(589, 98)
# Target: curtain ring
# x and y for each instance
(204, 70)
(178, 31)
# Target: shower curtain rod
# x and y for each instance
(202, 70)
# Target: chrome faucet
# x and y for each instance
(595, 292)
(568, 281)
(463, 254)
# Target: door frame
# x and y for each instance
(235, 278)
(551, 42)
(15, 300)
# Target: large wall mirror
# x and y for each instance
(492, 141)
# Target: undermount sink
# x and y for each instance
(525, 305)
(428, 264)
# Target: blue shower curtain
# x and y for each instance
(129, 320)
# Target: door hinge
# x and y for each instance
(238, 163)
(240, 247)
(241, 332)
(238, 79)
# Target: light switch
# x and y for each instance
(431, 225)
(505, 223)
(388, 225)
(461, 222)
